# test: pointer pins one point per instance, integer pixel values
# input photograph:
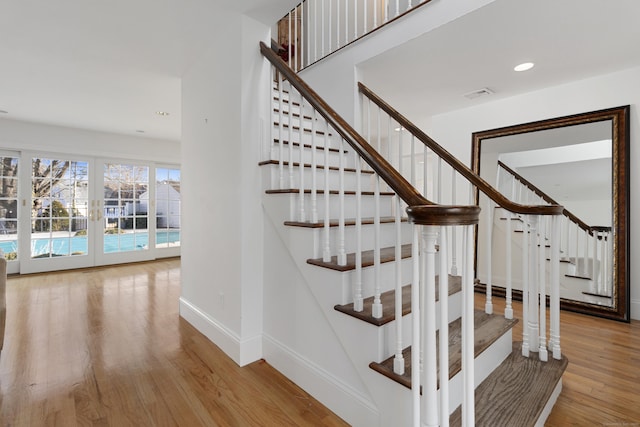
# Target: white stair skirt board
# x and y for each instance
(348, 403)
(241, 351)
(549, 406)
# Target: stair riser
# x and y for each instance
(271, 177)
(368, 203)
(289, 153)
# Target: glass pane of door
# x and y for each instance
(59, 207)
(167, 207)
(9, 207)
(126, 207)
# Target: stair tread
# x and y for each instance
(347, 222)
(308, 165)
(488, 328)
(308, 191)
(388, 303)
(386, 255)
(516, 392)
(297, 144)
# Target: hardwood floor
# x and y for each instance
(106, 347)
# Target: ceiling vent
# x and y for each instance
(478, 93)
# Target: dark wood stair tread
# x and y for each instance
(297, 144)
(388, 303)
(516, 393)
(308, 191)
(488, 328)
(349, 222)
(386, 255)
(308, 165)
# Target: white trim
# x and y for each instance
(347, 402)
(241, 351)
(549, 406)
(635, 309)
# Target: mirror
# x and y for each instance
(580, 162)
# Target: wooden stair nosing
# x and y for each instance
(308, 191)
(516, 392)
(593, 294)
(578, 277)
(488, 328)
(297, 144)
(388, 303)
(386, 255)
(347, 222)
(308, 165)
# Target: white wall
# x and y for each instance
(19, 135)
(222, 215)
(453, 130)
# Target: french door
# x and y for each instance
(77, 212)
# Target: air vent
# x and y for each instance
(478, 93)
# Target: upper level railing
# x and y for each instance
(316, 28)
(588, 248)
(399, 138)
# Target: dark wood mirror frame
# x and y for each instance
(619, 117)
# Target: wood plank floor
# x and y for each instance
(106, 347)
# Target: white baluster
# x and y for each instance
(346, 22)
(322, 28)
(508, 310)
(439, 196)
(326, 253)
(594, 275)
(533, 283)
(488, 306)
(302, 40)
(542, 259)
(358, 299)
(398, 361)
(355, 19)
(281, 133)
(337, 24)
(416, 333)
(295, 41)
(386, 11)
(525, 285)
(303, 216)
(454, 252)
(290, 123)
(430, 367)
(289, 48)
(468, 352)
(375, 14)
(409, 5)
(330, 27)
(314, 169)
(425, 173)
(585, 254)
(397, 7)
(376, 309)
(554, 303)
(342, 255)
(443, 282)
(315, 30)
(413, 161)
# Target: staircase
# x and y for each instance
(343, 256)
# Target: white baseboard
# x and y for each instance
(348, 403)
(241, 350)
(635, 309)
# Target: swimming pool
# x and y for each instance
(78, 245)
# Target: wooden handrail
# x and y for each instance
(590, 229)
(460, 167)
(420, 210)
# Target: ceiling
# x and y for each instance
(568, 40)
(107, 66)
(110, 66)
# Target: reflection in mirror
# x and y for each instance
(578, 162)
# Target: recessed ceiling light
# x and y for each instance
(4, 112)
(162, 113)
(524, 66)
(139, 131)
